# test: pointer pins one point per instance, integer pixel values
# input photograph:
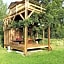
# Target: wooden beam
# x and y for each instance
(20, 8)
(21, 16)
(10, 16)
(30, 13)
(22, 11)
(4, 38)
(36, 6)
(13, 18)
(19, 5)
(16, 9)
(9, 36)
(34, 10)
(31, 7)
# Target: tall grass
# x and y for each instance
(56, 56)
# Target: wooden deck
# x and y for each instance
(33, 46)
(29, 46)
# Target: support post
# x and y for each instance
(8, 36)
(26, 33)
(25, 49)
(49, 37)
(4, 39)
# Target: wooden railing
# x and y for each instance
(16, 9)
(20, 7)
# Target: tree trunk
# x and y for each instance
(48, 37)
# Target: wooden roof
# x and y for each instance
(23, 1)
(13, 4)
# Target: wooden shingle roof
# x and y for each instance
(13, 4)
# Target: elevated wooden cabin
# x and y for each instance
(21, 10)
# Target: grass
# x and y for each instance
(56, 56)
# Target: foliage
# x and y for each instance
(34, 2)
(33, 20)
(3, 8)
(54, 17)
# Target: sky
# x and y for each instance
(9, 1)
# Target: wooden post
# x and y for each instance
(26, 33)
(9, 20)
(48, 37)
(8, 36)
(25, 50)
(4, 33)
(4, 39)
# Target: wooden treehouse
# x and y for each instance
(18, 39)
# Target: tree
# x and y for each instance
(54, 15)
(3, 8)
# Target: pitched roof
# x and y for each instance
(23, 1)
(12, 4)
